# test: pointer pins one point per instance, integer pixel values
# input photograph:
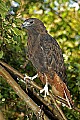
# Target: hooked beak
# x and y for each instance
(25, 24)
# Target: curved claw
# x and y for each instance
(45, 89)
(31, 78)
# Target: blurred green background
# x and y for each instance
(62, 20)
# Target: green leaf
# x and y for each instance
(3, 6)
(3, 9)
(16, 31)
(1, 54)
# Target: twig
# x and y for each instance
(61, 113)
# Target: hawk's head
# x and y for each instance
(34, 25)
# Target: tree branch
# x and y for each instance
(58, 113)
(1, 115)
(18, 74)
(22, 94)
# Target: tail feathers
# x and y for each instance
(69, 104)
(68, 98)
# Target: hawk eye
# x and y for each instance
(31, 22)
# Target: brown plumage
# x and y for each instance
(46, 56)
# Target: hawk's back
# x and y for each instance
(47, 56)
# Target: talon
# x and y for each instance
(45, 89)
(31, 78)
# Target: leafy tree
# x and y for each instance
(62, 20)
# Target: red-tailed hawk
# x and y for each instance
(46, 56)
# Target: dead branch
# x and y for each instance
(1, 115)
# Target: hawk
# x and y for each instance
(46, 56)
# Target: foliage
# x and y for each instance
(62, 20)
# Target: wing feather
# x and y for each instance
(53, 56)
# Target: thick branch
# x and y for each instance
(22, 94)
(57, 112)
(18, 74)
(34, 84)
